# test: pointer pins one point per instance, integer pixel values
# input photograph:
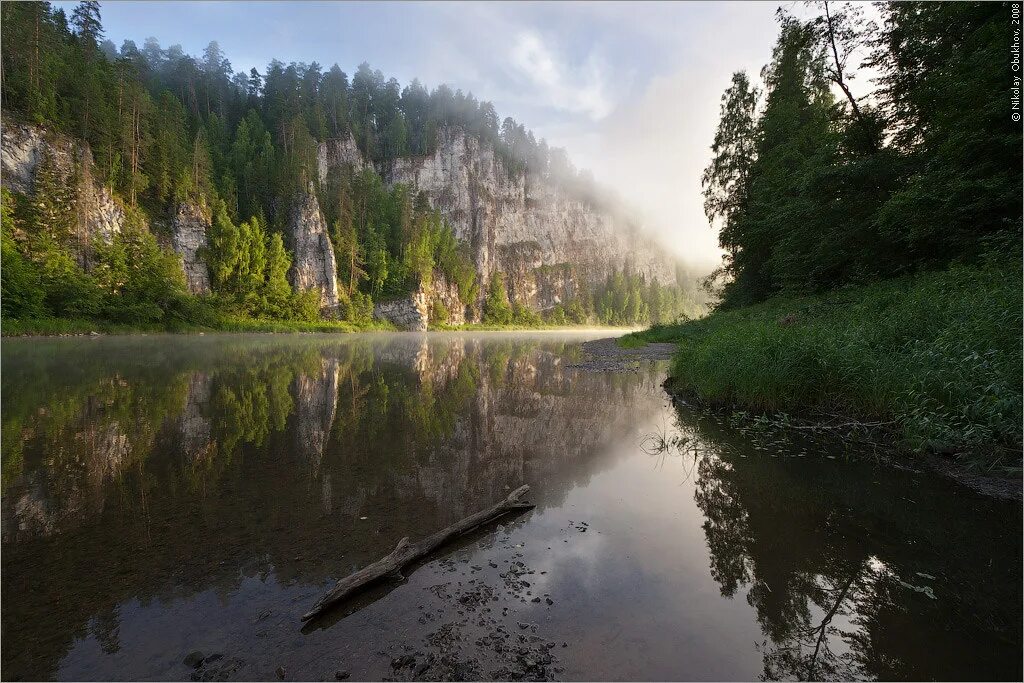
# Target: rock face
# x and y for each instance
(547, 241)
(314, 265)
(417, 311)
(446, 294)
(23, 148)
(407, 314)
(21, 151)
(188, 237)
(336, 153)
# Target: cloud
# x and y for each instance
(581, 90)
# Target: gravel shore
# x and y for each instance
(605, 355)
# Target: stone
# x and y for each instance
(414, 312)
(23, 147)
(547, 240)
(314, 265)
(194, 659)
(188, 237)
(338, 153)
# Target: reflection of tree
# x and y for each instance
(243, 454)
(806, 654)
(826, 553)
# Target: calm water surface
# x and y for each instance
(164, 495)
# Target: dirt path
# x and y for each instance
(605, 355)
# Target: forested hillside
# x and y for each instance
(813, 191)
(166, 130)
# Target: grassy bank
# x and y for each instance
(65, 326)
(11, 327)
(936, 356)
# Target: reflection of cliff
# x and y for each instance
(245, 454)
(316, 397)
(830, 556)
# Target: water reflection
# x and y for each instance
(141, 470)
(168, 494)
(855, 572)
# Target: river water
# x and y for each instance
(165, 496)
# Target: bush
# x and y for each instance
(438, 313)
(496, 307)
(358, 309)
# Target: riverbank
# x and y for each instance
(65, 327)
(932, 360)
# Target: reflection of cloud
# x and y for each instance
(580, 90)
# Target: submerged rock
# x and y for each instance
(193, 659)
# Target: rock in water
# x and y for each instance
(194, 659)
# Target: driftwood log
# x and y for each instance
(391, 565)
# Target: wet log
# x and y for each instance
(390, 566)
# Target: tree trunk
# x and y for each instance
(405, 552)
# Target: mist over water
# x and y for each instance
(170, 495)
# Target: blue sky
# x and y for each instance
(631, 89)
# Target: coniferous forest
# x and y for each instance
(813, 191)
(871, 236)
(166, 128)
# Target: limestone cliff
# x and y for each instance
(313, 264)
(545, 239)
(188, 237)
(23, 148)
(421, 308)
(336, 153)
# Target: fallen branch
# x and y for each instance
(405, 552)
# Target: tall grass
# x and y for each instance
(938, 354)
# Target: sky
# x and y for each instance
(631, 90)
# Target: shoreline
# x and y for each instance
(198, 332)
(607, 356)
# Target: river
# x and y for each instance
(172, 504)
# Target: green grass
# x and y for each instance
(11, 327)
(937, 355)
(490, 327)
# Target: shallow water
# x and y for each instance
(165, 495)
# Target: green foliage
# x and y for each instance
(938, 354)
(944, 71)
(497, 310)
(438, 313)
(814, 194)
(164, 128)
(249, 268)
(141, 281)
(22, 288)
